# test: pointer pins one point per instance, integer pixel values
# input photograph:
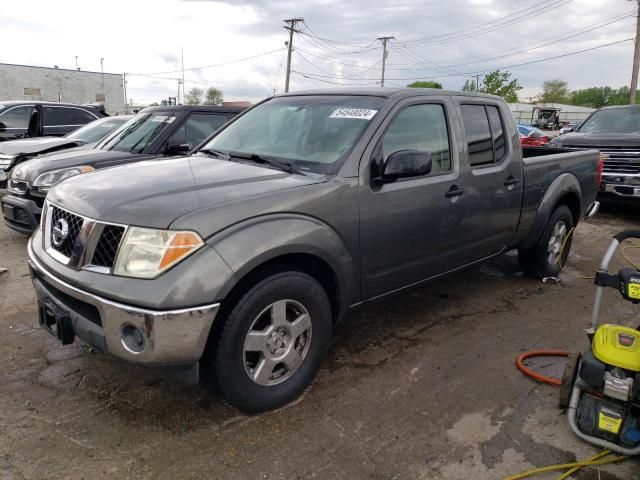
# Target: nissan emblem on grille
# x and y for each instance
(60, 232)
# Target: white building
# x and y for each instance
(23, 82)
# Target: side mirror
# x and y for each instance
(568, 129)
(405, 164)
(177, 149)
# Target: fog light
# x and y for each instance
(132, 338)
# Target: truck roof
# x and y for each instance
(612, 107)
(387, 92)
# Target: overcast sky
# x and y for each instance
(449, 40)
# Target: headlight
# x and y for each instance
(146, 252)
(47, 180)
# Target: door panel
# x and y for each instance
(495, 178)
(410, 229)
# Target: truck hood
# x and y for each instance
(31, 169)
(30, 146)
(591, 140)
(154, 193)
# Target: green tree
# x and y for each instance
(213, 96)
(555, 91)
(470, 86)
(194, 97)
(425, 84)
(596, 97)
(500, 84)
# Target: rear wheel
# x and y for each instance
(547, 257)
(272, 342)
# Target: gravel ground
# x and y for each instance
(419, 385)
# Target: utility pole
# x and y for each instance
(291, 26)
(636, 61)
(478, 81)
(77, 63)
(102, 69)
(183, 92)
(274, 91)
(178, 97)
(384, 41)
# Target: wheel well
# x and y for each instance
(301, 262)
(572, 201)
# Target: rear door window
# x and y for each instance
(479, 140)
(497, 133)
(65, 117)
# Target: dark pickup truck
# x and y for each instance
(614, 131)
(239, 259)
(154, 132)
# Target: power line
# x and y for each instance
(462, 74)
(526, 11)
(326, 58)
(367, 69)
(534, 46)
(208, 66)
(523, 18)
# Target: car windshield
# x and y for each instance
(139, 132)
(310, 132)
(615, 120)
(94, 131)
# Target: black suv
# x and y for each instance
(154, 132)
(21, 119)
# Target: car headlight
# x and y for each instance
(47, 180)
(146, 252)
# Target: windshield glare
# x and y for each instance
(94, 131)
(310, 132)
(617, 120)
(135, 135)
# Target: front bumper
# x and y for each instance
(21, 214)
(171, 337)
(624, 185)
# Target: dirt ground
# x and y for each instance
(421, 385)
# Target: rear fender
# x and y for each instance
(565, 184)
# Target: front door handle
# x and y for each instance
(454, 191)
(511, 180)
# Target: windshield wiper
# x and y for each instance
(217, 153)
(274, 162)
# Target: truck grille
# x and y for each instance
(80, 242)
(65, 228)
(107, 248)
(623, 160)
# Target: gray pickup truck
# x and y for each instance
(236, 261)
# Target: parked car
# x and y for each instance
(241, 257)
(22, 118)
(568, 128)
(154, 132)
(615, 131)
(13, 152)
(532, 136)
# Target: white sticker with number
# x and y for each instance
(163, 118)
(359, 113)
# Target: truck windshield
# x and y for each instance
(615, 120)
(139, 132)
(310, 132)
(94, 131)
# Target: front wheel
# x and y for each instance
(272, 342)
(547, 257)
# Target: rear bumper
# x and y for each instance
(21, 214)
(170, 337)
(624, 185)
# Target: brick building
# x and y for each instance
(23, 82)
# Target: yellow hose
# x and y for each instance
(573, 467)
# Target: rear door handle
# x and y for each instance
(454, 191)
(511, 180)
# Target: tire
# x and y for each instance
(539, 260)
(568, 379)
(272, 342)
